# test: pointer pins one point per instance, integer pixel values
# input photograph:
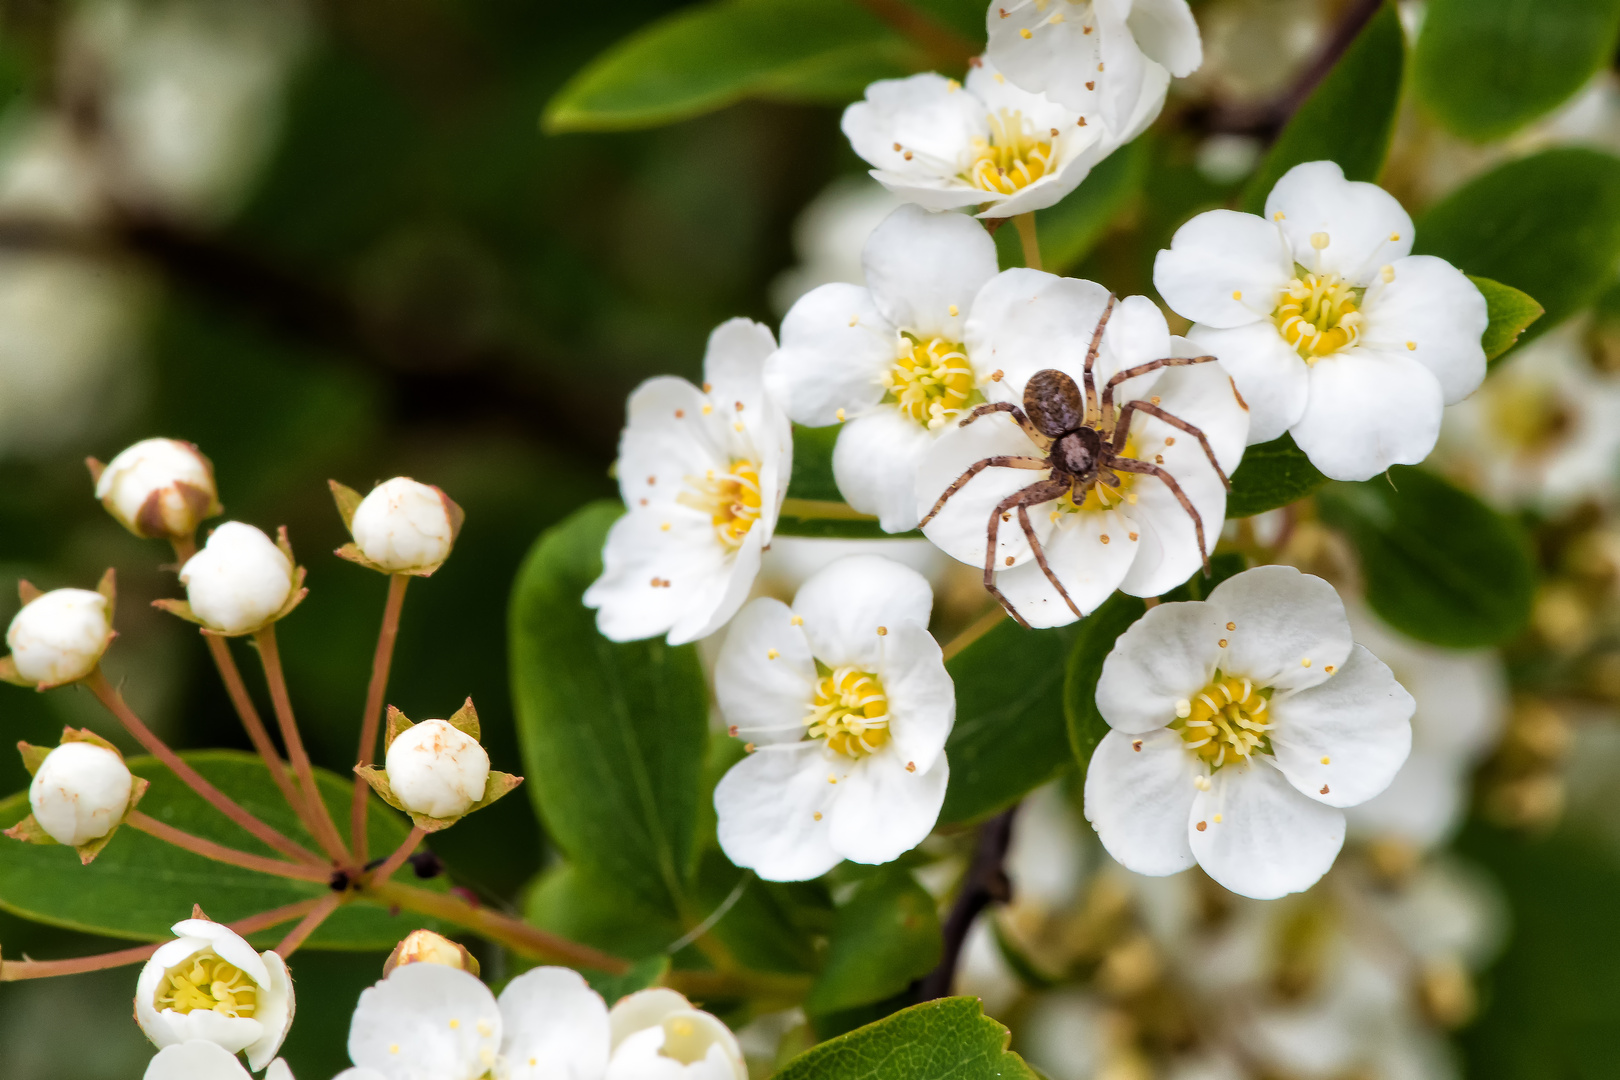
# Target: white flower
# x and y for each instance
(437, 770)
(1330, 327)
(197, 1060)
(1241, 726)
(80, 792)
(829, 236)
(658, 1035)
(158, 488)
(846, 704)
(1133, 534)
(887, 359)
(703, 474)
(792, 560)
(239, 581)
(210, 985)
(59, 637)
(404, 527)
(1111, 58)
(988, 144)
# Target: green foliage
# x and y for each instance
(589, 907)
(612, 733)
(1069, 230)
(1548, 225)
(1440, 565)
(1511, 313)
(645, 973)
(1085, 725)
(1485, 68)
(1350, 116)
(140, 886)
(950, 1038)
(884, 937)
(1009, 736)
(1272, 474)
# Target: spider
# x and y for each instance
(1083, 440)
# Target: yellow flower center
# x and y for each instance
(850, 711)
(1225, 721)
(1011, 158)
(931, 381)
(684, 1041)
(1317, 314)
(732, 501)
(208, 983)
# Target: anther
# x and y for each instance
(1319, 240)
(652, 480)
(1305, 662)
(1009, 560)
(1324, 790)
(1155, 399)
(707, 409)
(1133, 536)
(1202, 825)
(732, 731)
(1183, 709)
(1158, 459)
(883, 631)
(1082, 122)
(907, 155)
(911, 766)
(454, 1023)
(749, 748)
(1054, 133)
(1201, 783)
(664, 527)
(1091, 86)
(708, 388)
(1221, 643)
(816, 816)
(897, 148)
(771, 654)
(1328, 669)
(1085, 29)
(1103, 538)
(680, 414)
(1136, 744)
(1231, 626)
(739, 426)
(1171, 441)
(739, 406)
(643, 502)
(1279, 216)
(1387, 273)
(1394, 236)
(1411, 346)
(1006, 517)
(1025, 34)
(840, 415)
(797, 620)
(832, 779)
(1237, 294)
(1217, 819)
(997, 375)
(953, 306)
(1325, 761)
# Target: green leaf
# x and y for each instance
(1548, 225)
(1511, 313)
(1440, 565)
(715, 54)
(1009, 736)
(613, 734)
(139, 886)
(646, 973)
(884, 937)
(584, 906)
(1085, 724)
(1272, 474)
(948, 1039)
(1350, 116)
(1485, 68)
(1068, 231)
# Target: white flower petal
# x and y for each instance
(1056, 59)
(1423, 805)
(1270, 840)
(961, 527)
(1273, 380)
(986, 82)
(666, 439)
(1288, 628)
(1367, 410)
(835, 348)
(275, 1012)
(554, 1025)
(937, 194)
(928, 116)
(1432, 305)
(639, 552)
(426, 1020)
(765, 675)
(718, 605)
(195, 1060)
(1024, 321)
(1224, 269)
(1168, 34)
(1342, 742)
(1089, 566)
(922, 698)
(772, 807)
(642, 1010)
(924, 270)
(1364, 227)
(845, 606)
(1136, 333)
(875, 463)
(228, 944)
(734, 364)
(882, 811)
(1139, 791)
(1166, 656)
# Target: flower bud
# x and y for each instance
(158, 488)
(80, 793)
(405, 527)
(59, 637)
(426, 947)
(239, 581)
(436, 770)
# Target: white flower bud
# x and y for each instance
(80, 793)
(159, 488)
(437, 770)
(239, 581)
(426, 947)
(404, 526)
(60, 636)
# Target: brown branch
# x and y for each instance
(381, 661)
(401, 853)
(325, 829)
(943, 44)
(308, 924)
(986, 881)
(208, 849)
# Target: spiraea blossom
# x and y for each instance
(886, 359)
(199, 1060)
(81, 791)
(986, 144)
(845, 704)
(210, 985)
(402, 526)
(1331, 328)
(1126, 532)
(1109, 58)
(240, 582)
(703, 473)
(1242, 725)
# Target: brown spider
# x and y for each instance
(1084, 442)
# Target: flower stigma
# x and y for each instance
(850, 711)
(1318, 314)
(206, 982)
(732, 501)
(930, 381)
(1226, 720)
(1012, 157)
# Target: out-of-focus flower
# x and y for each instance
(1129, 531)
(1108, 58)
(1330, 327)
(792, 560)
(887, 360)
(158, 488)
(1241, 726)
(400, 527)
(846, 705)
(426, 947)
(199, 1060)
(58, 637)
(987, 145)
(210, 985)
(81, 792)
(240, 582)
(703, 473)
(829, 236)
(437, 771)
(658, 1035)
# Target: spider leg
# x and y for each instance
(1017, 414)
(1142, 468)
(1038, 492)
(1174, 421)
(1143, 369)
(1040, 559)
(1004, 461)
(1091, 358)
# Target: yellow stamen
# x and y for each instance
(850, 711)
(732, 501)
(206, 982)
(1226, 721)
(1318, 315)
(1012, 158)
(931, 381)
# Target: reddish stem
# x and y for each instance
(114, 701)
(237, 689)
(308, 924)
(325, 829)
(397, 859)
(220, 853)
(381, 661)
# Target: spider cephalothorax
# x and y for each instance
(1083, 439)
